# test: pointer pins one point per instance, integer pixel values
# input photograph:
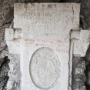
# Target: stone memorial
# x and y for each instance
(46, 36)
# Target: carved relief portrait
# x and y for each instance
(44, 68)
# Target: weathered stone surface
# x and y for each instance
(9, 35)
(30, 37)
(49, 74)
(80, 42)
(78, 78)
(4, 68)
(14, 73)
(87, 59)
(85, 10)
(6, 15)
(80, 48)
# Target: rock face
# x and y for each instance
(14, 73)
(6, 16)
(4, 68)
(78, 77)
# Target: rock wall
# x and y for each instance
(4, 68)
(14, 73)
(6, 17)
(78, 79)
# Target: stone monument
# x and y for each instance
(46, 36)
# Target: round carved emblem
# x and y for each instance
(44, 68)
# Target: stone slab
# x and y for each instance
(46, 20)
(80, 48)
(9, 34)
(46, 31)
(85, 36)
(43, 37)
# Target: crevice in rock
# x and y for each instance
(81, 72)
(88, 76)
(78, 74)
(87, 71)
(4, 68)
(4, 48)
(82, 22)
(73, 14)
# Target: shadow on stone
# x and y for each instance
(4, 68)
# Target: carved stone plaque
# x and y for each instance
(45, 57)
(44, 68)
(46, 35)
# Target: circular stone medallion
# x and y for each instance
(44, 68)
